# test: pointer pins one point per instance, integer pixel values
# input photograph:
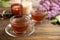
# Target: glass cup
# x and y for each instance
(20, 26)
(38, 16)
(17, 9)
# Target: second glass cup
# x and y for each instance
(20, 26)
(38, 15)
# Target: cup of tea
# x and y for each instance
(38, 15)
(17, 9)
(20, 26)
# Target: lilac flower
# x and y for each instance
(52, 7)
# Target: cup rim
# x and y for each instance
(27, 17)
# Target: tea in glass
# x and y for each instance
(17, 9)
(38, 15)
(19, 24)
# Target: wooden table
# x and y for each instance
(44, 31)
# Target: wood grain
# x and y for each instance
(44, 31)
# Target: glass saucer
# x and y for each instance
(30, 30)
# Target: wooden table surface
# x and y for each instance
(44, 31)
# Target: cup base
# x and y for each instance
(10, 31)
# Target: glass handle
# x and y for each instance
(32, 31)
(33, 28)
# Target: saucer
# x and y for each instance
(30, 30)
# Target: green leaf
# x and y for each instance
(54, 21)
(58, 18)
(5, 0)
(0, 0)
(4, 4)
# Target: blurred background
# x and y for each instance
(6, 3)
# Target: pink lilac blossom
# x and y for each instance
(46, 6)
(41, 7)
(48, 3)
(52, 7)
(54, 4)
